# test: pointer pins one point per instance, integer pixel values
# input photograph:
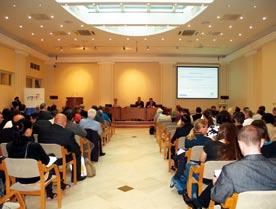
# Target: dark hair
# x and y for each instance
(239, 117)
(69, 114)
(261, 110)
(198, 110)
(186, 118)
(7, 114)
(228, 132)
(223, 117)
(237, 109)
(268, 118)
(250, 135)
(260, 124)
(84, 113)
(19, 129)
(208, 115)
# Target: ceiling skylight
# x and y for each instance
(133, 17)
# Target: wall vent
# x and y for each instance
(85, 32)
(188, 32)
(34, 66)
(40, 16)
(231, 17)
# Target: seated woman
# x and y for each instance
(225, 147)
(22, 146)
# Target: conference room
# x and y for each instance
(178, 56)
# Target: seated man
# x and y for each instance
(253, 173)
(151, 103)
(94, 132)
(58, 134)
(139, 103)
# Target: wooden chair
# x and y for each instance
(252, 200)
(29, 168)
(204, 170)
(85, 146)
(61, 152)
(4, 149)
(5, 200)
(194, 153)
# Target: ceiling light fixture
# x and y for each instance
(214, 40)
(230, 40)
(145, 39)
(221, 34)
(127, 39)
(42, 40)
(179, 39)
(75, 39)
(51, 33)
(20, 26)
(218, 17)
(197, 39)
(93, 39)
(110, 39)
(143, 18)
(255, 6)
(202, 33)
(69, 33)
(209, 26)
(230, 26)
(41, 26)
(6, 17)
(29, 17)
(82, 26)
(52, 16)
(189, 26)
(32, 34)
(264, 18)
(61, 26)
(13, 5)
(239, 34)
(241, 17)
(250, 27)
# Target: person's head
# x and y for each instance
(139, 98)
(34, 117)
(94, 107)
(227, 133)
(268, 118)
(224, 117)
(237, 109)
(198, 110)
(274, 111)
(201, 126)
(249, 140)
(69, 114)
(43, 107)
(22, 127)
(7, 114)
(91, 113)
(260, 124)
(239, 118)
(207, 114)
(60, 119)
(261, 110)
(247, 113)
(186, 119)
(150, 99)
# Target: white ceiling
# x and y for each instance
(51, 39)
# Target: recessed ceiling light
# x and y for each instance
(20, 26)
(69, 33)
(228, 5)
(51, 33)
(75, 39)
(162, 39)
(127, 39)
(82, 26)
(239, 34)
(214, 40)
(93, 39)
(40, 5)
(41, 26)
(230, 40)
(197, 39)
(221, 34)
(218, 17)
(180, 39)
(202, 33)
(250, 27)
(52, 16)
(264, 18)
(209, 26)
(32, 34)
(6, 17)
(110, 39)
(13, 5)
(42, 39)
(241, 17)
(61, 26)
(145, 39)
(29, 17)
(189, 26)
(230, 26)
(255, 6)
(58, 39)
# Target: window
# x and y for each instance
(5, 78)
(33, 82)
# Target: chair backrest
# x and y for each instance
(55, 149)
(257, 200)
(77, 139)
(211, 166)
(194, 153)
(4, 149)
(22, 167)
(35, 137)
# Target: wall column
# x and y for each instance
(20, 73)
(168, 82)
(106, 83)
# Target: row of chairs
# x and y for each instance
(252, 199)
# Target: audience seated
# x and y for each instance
(43, 113)
(74, 127)
(260, 113)
(238, 118)
(57, 134)
(94, 131)
(248, 114)
(198, 114)
(22, 146)
(269, 120)
(253, 173)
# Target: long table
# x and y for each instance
(133, 113)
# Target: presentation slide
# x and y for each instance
(197, 82)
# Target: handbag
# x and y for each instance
(90, 169)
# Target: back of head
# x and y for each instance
(260, 124)
(92, 113)
(268, 118)
(208, 115)
(42, 106)
(69, 114)
(20, 125)
(198, 110)
(223, 117)
(186, 119)
(250, 136)
(239, 117)
(60, 119)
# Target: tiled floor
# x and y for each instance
(132, 159)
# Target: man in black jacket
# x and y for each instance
(58, 134)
